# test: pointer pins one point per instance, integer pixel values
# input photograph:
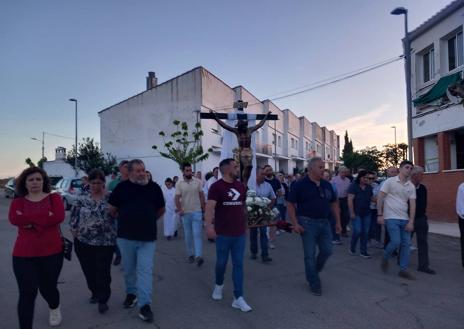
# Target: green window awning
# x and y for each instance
(438, 90)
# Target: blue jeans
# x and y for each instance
(360, 226)
(398, 237)
(137, 263)
(316, 233)
(193, 225)
(235, 245)
(262, 240)
(283, 211)
(375, 231)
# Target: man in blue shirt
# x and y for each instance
(310, 203)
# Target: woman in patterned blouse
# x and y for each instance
(94, 234)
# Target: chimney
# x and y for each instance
(60, 153)
(152, 81)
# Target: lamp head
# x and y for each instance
(73, 100)
(399, 11)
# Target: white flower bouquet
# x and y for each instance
(259, 213)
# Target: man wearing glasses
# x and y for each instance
(392, 206)
(314, 198)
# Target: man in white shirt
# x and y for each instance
(394, 197)
(213, 179)
(460, 212)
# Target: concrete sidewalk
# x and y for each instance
(444, 228)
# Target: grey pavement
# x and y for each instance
(355, 292)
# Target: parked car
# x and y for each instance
(69, 189)
(10, 189)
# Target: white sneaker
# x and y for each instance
(241, 305)
(55, 317)
(217, 292)
(271, 245)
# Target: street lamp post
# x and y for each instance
(407, 68)
(43, 143)
(396, 147)
(75, 137)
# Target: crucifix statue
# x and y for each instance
(243, 134)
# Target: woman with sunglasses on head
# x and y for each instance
(359, 201)
(38, 251)
(94, 234)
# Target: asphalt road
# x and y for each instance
(355, 292)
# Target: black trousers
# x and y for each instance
(36, 274)
(461, 229)
(421, 227)
(96, 264)
(344, 213)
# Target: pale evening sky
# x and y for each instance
(100, 52)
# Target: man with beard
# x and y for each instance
(137, 204)
(226, 205)
(190, 203)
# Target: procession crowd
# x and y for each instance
(122, 219)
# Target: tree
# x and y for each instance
(41, 162)
(90, 156)
(394, 154)
(369, 158)
(183, 146)
(29, 162)
(348, 147)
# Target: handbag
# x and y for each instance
(67, 244)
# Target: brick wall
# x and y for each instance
(442, 188)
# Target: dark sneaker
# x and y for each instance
(200, 261)
(93, 299)
(316, 291)
(253, 256)
(191, 259)
(406, 275)
(102, 308)
(117, 260)
(266, 259)
(146, 314)
(384, 265)
(351, 252)
(427, 270)
(131, 301)
(365, 255)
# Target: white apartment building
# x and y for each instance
(130, 128)
(437, 64)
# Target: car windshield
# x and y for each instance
(76, 183)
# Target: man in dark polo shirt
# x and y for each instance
(226, 207)
(421, 225)
(137, 203)
(314, 199)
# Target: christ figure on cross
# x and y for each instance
(243, 134)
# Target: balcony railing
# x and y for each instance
(264, 148)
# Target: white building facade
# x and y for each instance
(437, 64)
(130, 128)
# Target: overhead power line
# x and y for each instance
(325, 82)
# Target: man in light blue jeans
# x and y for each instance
(137, 263)
(396, 196)
(137, 203)
(190, 204)
(193, 226)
